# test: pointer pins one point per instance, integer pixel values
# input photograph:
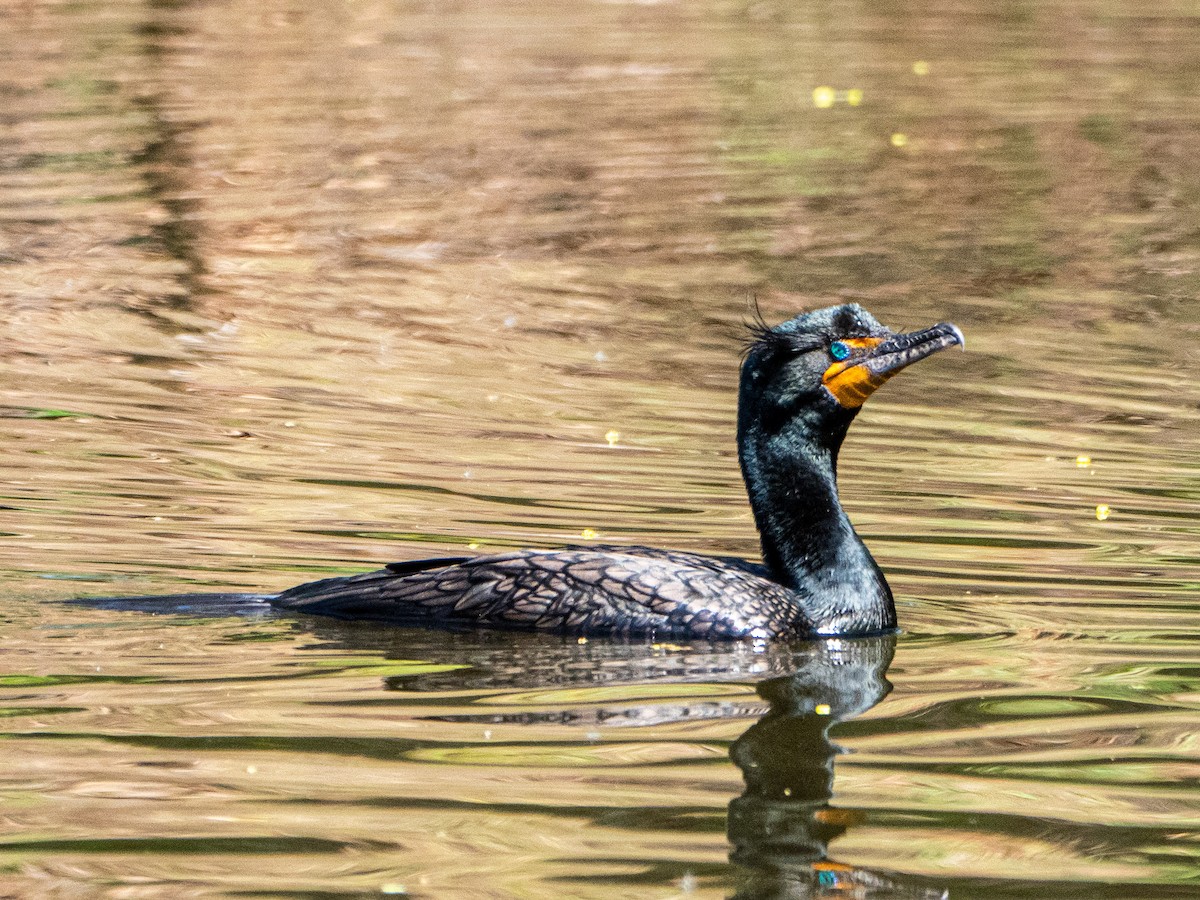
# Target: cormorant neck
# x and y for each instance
(808, 542)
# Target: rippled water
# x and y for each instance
(296, 289)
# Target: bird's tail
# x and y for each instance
(218, 604)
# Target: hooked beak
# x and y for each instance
(874, 360)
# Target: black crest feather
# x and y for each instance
(764, 339)
(759, 335)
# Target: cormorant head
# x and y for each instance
(817, 370)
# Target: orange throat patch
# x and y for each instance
(849, 382)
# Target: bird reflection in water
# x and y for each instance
(781, 826)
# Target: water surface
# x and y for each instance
(296, 290)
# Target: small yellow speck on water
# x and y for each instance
(581, 640)
(612, 437)
(824, 97)
(392, 888)
(589, 534)
(250, 770)
(899, 139)
(822, 709)
(1102, 512)
(854, 96)
(289, 424)
(787, 792)
(1083, 461)
(920, 67)
(473, 546)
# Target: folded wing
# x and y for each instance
(628, 591)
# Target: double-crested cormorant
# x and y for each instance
(802, 383)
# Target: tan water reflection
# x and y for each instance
(295, 288)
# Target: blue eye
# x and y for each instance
(839, 350)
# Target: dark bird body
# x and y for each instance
(586, 590)
(802, 384)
